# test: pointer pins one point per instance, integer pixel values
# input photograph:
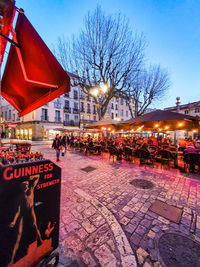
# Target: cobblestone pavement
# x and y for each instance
(106, 221)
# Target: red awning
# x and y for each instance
(8, 10)
(32, 75)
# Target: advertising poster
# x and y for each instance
(29, 212)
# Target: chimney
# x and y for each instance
(178, 104)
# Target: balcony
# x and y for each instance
(75, 110)
(57, 119)
(82, 110)
(71, 123)
(57, 105)
(88, 111)
(43, 118)
(67, 109)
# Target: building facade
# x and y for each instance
(192, 109)
(70, 111)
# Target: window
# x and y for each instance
(126, 113)
(75, 105)
(121, 112)
(88, 98)
(116, 115)
(112, 115)
(57, 116)
(67, 117)
(88, 108)
(88, 117)
(82, 107)
(186, 112)
(122, 119)
(112, 106)
(5, 115)
(76, 118)
(13, 117)
(44, 114)
(82, 95)
(9, 115)
(66, 103)
(122, 101)
(116, 107)
(94, 109)
(95, 118)
(75, 94)
(66, 95)
(117, 99)
(197, 110)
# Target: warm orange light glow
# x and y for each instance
(194, 131)
(180, 124)
(109, 129)
(166, 127)
(156, 125)
(159, 130)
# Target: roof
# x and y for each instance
(184, 105)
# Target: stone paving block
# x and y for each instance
(141, 255)
(97, 219)
(82, 233)
(88, 259)
(129, 214)
(135, 239)
(73, 226)
(141, 230)
(124, 220)
(89, 227)
(101, 236)
(105, 256)
(146, 223)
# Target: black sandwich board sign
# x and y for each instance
(29, 212)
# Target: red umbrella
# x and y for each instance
(32, 75)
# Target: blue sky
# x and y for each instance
(171, 27)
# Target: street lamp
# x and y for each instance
(98, 92)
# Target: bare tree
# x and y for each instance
(146, 87)
(105, 52)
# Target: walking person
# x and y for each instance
(57, 146)
(64, 143)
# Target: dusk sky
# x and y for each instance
(172, 29)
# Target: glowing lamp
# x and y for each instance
(104, 88)
(180, 124)
(156, 125)
(109, 129)
(194, 131)
(166, 127)
(95, 92)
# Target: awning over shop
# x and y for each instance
(107, 122)
(161, 120)
(32, 75)
(58, 128)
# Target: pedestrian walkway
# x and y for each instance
(107, 217)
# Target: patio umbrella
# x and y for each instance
(32, 75)
(103, 123)
(161, 120)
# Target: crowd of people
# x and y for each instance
(121, 145)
